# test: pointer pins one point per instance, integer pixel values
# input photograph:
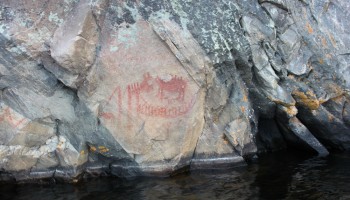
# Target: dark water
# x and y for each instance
(277, 176)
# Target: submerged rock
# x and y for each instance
(154, 87)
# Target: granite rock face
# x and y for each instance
(150, 87)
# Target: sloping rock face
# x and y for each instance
(149, 87)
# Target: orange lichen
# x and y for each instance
(243, 109)
(245, 98)
(225, 140)
(291, 110)
(307, 99)
(82, 152)
(309, 28)
(321, 61)
(310, 93)
(324, 42)
(60, 145)
(291, 76)
(93, 149)
(103, 149)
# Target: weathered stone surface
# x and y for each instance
(330, 130)
(306, 99)
(75, 41)
(19, 158)
(296, 133)
(159, 107)
(152, 87)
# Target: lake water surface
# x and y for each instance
(280, 175)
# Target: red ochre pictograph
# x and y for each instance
(9, 118)
(155, 97)
(116, 96)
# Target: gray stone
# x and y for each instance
(143, 88)
(296, 134)
(74, 43)
(238, 135)
(329, 129)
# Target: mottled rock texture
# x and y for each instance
(149, 87)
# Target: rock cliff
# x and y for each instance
(149, 87)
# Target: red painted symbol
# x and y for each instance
(9, 118)
(116, 96)
(160, 97)
(175, 85)
(153, 96)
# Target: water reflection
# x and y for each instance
(275, 172)
(318, 178)
(276, 176)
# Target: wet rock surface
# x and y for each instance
(154, 87)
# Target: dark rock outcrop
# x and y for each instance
(150, 87)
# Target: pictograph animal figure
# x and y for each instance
(176, 85)
(144, 86)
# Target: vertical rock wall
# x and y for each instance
(150, 87)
